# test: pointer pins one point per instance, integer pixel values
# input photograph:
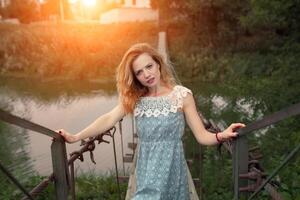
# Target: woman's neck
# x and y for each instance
(158, 90)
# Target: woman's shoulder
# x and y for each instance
(182, 91)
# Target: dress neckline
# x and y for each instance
(161, 96)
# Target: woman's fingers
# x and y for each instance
(237, 125)
(60, 131)
(234, 134)
(231, 130)
(69, 138)
(66, 136)
(229, 134)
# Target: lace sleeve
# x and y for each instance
(181, 92)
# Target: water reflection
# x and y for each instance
(50, 91)
(62, 104)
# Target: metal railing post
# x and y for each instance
(240, 164)
(60, 168)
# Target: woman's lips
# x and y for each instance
(151, 80)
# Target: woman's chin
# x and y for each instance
(151, 85)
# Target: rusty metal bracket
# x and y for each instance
(90, 146)
(255, 175)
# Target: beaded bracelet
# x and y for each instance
(219, 141)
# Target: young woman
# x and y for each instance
(148, 90)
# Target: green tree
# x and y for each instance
(212, 21)
(281, 16)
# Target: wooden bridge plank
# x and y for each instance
(128, 159)
(192, 189)
(132, 145)
(132, 177)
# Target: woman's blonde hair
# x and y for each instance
(129, 88)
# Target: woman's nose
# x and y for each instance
(146, 74)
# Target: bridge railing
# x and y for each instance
(58, 154)
(245, 169)
(64, 182)
(63, 168)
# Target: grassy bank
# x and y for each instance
(69, 50)
(86, 186)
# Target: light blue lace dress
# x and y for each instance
(161, 171)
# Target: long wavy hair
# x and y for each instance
(129, 88)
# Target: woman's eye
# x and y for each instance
(138, 73)
(149, 66)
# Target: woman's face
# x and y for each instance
(146, 70)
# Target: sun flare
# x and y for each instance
(88, 3)
(72, 1)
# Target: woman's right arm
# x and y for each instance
(100, 125)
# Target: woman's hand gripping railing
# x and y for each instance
(89, 146)
(58, 152)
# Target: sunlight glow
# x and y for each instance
(72, 1)
(89, 3)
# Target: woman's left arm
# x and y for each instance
(195, 123)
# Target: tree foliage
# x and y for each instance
(281, 16)
(25, 10)
(221, 23)
(30, 10)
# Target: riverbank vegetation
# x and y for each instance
(69, 50)
(87, 186)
